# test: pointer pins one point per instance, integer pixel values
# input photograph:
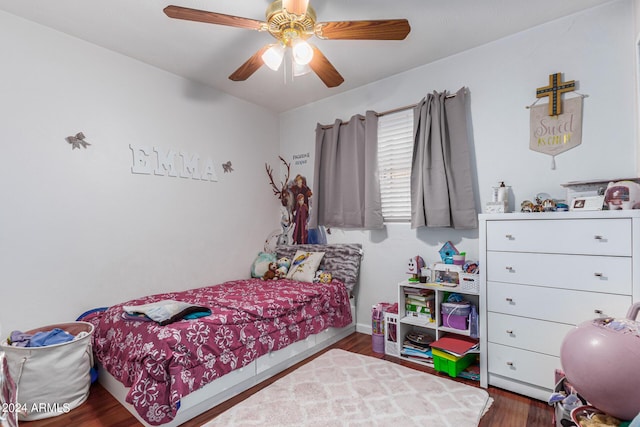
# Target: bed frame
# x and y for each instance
(239, 380)
(343, 261)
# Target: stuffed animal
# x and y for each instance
(316, 277)
(283, 267)
(270, 274)
(261, 264)
(325, 277)
(322, 277)
(284, 263)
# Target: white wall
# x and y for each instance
(596, 48)
(78, 230)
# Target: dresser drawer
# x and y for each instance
(529, 334)
(555, 305)
(521, 365)
(589, 273)
(568, 236)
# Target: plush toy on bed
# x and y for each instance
(271, 274)
(283, 265)
(326, 277)
(322, 277)
(261, 264)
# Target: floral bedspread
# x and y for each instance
(249, 318)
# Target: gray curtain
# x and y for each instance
(346, 188)
(441, 184)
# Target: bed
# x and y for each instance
(166, 375)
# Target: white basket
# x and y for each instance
(469, 283)
(391, 345)
(52, 379)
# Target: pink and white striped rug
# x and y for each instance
(340, 388)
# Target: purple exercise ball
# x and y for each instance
(601, 359)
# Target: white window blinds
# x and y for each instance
(395, 150)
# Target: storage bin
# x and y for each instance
(450, 364)
(455, 322)
(457, 308)
(455, 315)
(53, 379)
(470, 283)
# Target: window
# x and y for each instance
(395, 151)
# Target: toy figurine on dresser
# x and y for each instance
(622, 195)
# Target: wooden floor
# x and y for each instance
(101, 409)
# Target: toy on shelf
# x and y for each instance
(415, 266)
(465, 278)
(471, 267)
(447, 251)
(446, 274)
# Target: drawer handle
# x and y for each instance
(509, 363)
(510, 331)
(598, 312)
(598, 237)
(598, 274)
(508, 268)
(508, 236)
(509, 299)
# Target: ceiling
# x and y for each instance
(208, 53)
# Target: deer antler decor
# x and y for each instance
(282, 193)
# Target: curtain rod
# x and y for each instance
(395, 110)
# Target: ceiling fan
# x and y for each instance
(291, 23)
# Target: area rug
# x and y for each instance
(340, 388)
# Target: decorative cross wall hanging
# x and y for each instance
(552, 130)
(554, 91)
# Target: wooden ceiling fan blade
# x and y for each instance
(188, 14)
(251, 66)
(297, 7)
(324, 69)
(384, 29)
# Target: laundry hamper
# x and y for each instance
(54, 379)
(8, 416)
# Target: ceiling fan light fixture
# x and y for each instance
(302, 52)
(291, 23)
(272, 57)
(300, 70)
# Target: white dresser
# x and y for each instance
(540, 275)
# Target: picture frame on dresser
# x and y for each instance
(590, 203)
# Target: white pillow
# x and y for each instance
(304, 265)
